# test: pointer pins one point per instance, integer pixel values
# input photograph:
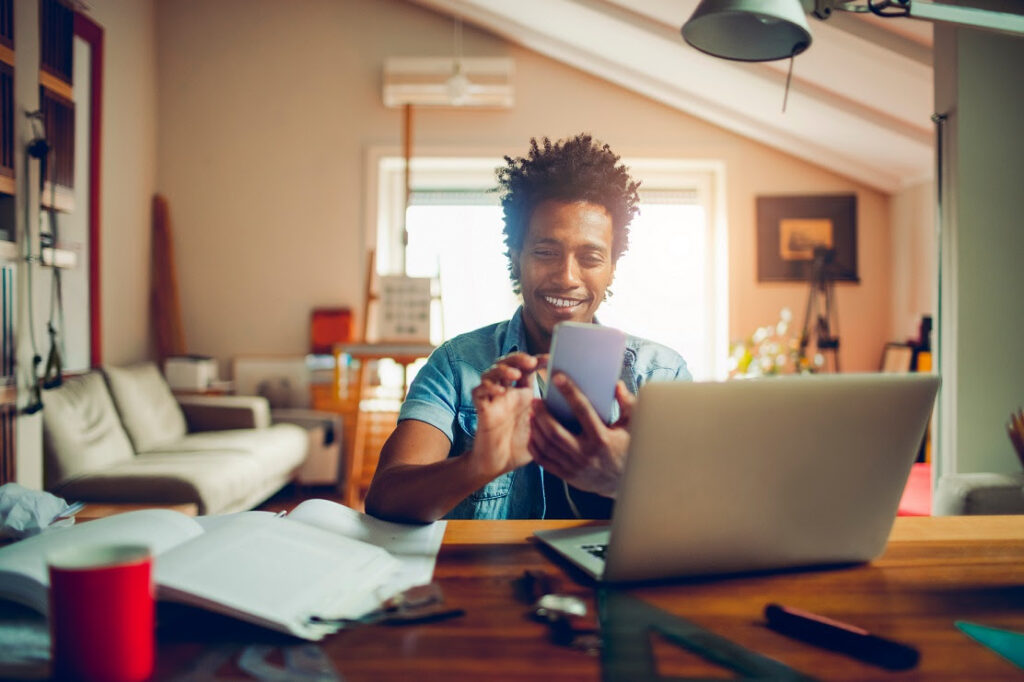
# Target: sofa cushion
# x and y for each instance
(148, 410)
(282, 442)
(220, 474)
(211, 480)
(979, 493)
(81, 429)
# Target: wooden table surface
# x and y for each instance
(99, 510)
(934, 571)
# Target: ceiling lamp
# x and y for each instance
(765, 30)
(749, 30)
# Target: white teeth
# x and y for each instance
(561, 302)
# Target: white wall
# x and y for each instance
(980, 86)
(267, 110)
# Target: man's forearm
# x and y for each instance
(421, 493)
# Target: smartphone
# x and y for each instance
(591, 355)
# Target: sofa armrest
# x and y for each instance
(223, 412)
(324, 457)
(979, 493)
(310, 419)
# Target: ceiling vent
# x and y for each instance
(446, 82)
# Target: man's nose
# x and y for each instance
(569, 273)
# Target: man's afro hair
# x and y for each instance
(575, 169)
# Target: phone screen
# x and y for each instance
(591, 355)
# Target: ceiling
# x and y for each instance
(860, 102)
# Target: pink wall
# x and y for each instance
(266, 112)
(129, 174)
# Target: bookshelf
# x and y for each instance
(8, 249)
(56, 101)
(7, 97)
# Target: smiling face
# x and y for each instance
(564, 267)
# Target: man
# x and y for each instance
(473, 438)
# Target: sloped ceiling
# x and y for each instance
(860, 102)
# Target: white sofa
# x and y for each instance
(979, 493)
(120, 435)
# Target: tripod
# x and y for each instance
(820, 317)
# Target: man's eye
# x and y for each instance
(592, 261)
(543, 253)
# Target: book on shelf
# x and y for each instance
(322, 562)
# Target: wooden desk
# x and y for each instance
(934, 571)
(100, 510)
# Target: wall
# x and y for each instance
(267, 110)
(28, 427)
(129, 174)
(914, 250)
(980, 87)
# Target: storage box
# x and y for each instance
(190, 372)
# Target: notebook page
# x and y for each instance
(277, 573)
(23, 564)
(415, 546)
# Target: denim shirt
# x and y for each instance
(441, 395)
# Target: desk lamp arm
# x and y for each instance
(928, 10)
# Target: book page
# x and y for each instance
(217, 520)
(24, 576)
(415, 546)
(277, 573)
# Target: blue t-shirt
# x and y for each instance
(441, 395)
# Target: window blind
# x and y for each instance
(677, 197)
(457, 197)
(453, 197)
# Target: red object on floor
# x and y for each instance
(917, 496)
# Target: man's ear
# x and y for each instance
(608, 289)
(513, 259)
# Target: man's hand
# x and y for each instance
(592, 460)
(503, 402)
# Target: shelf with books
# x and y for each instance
(7, 173)
(56, 101)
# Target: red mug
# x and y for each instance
(102, 613)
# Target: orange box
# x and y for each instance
(327, 327)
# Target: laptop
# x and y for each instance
(756, 475)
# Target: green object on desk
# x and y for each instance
(1006, 643)
(626, 653)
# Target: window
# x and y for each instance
(669, 287)
(661, 284)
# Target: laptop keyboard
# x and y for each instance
(597, 549)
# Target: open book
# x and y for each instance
(282, 573)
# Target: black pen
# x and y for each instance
(842, 637)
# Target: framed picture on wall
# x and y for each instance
(791, 228)
(404, 310)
